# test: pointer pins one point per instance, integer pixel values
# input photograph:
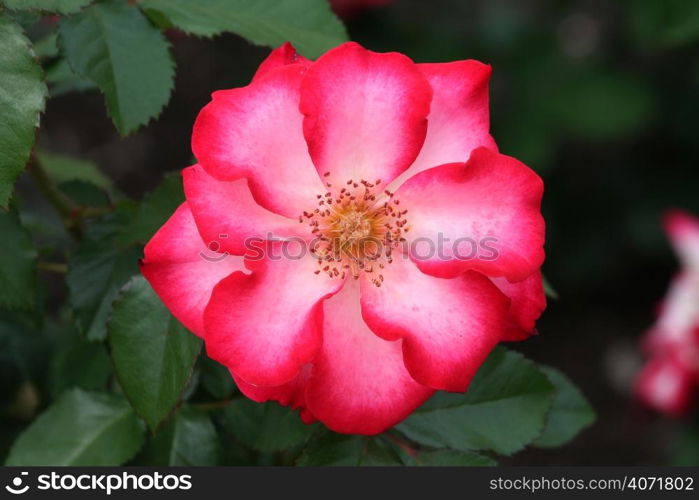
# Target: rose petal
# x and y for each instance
(683, 230)
(459, 119)
(365, 113)
(679, 315)
(228, 217)
(256, 132)
(484, 215)
(264, 326)
(359, 384)
(527, 303)
(281, 56)
(448, 326)
(665, 386)
(182, 271)
(292, 394)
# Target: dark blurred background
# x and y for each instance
(600, 98)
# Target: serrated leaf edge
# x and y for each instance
(108, 340)
(39, 112)
(172, 66)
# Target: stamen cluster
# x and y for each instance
(356, 229)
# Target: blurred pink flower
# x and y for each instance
(668, 382)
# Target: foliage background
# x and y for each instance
(601, 98)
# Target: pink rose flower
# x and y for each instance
(324, 252)
(669, 380)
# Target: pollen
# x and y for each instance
(356, 230)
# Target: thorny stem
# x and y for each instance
(213, 406)
(71, 214)
(54, 267)
(402, 445)
(87, 212)
(61, 203)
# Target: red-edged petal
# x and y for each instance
(527, 303)
(679, 315)
(365, 113)
(228, 217)
(292, 394)
(683, 230)
(256, 132)
(484, 215)
(182, 271)
(264, 326)
(666, 386)
(448, 326)
(459, 119)
(281, 56)
(359, 384)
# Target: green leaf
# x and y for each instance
(81, 428)
(503, 410)
(79, 364)
(115, 46)
(47, 47)
(96, 272)
(331, 449)
(60, 6)
(550, 292)
(265, 426)
(231, 452)
(452, 458)
(84, 193)
(80, 180)
(62, 168)
(153, 353)
(188, 439)
(216, 378)
(155, 209)
(62, 79)
(309, 24)
(582, 105)
(569, 414)
(24, 351)
(685, 445)
(666, 24)
(17, 264)
(22, 96)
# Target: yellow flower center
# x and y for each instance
(356, 230)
